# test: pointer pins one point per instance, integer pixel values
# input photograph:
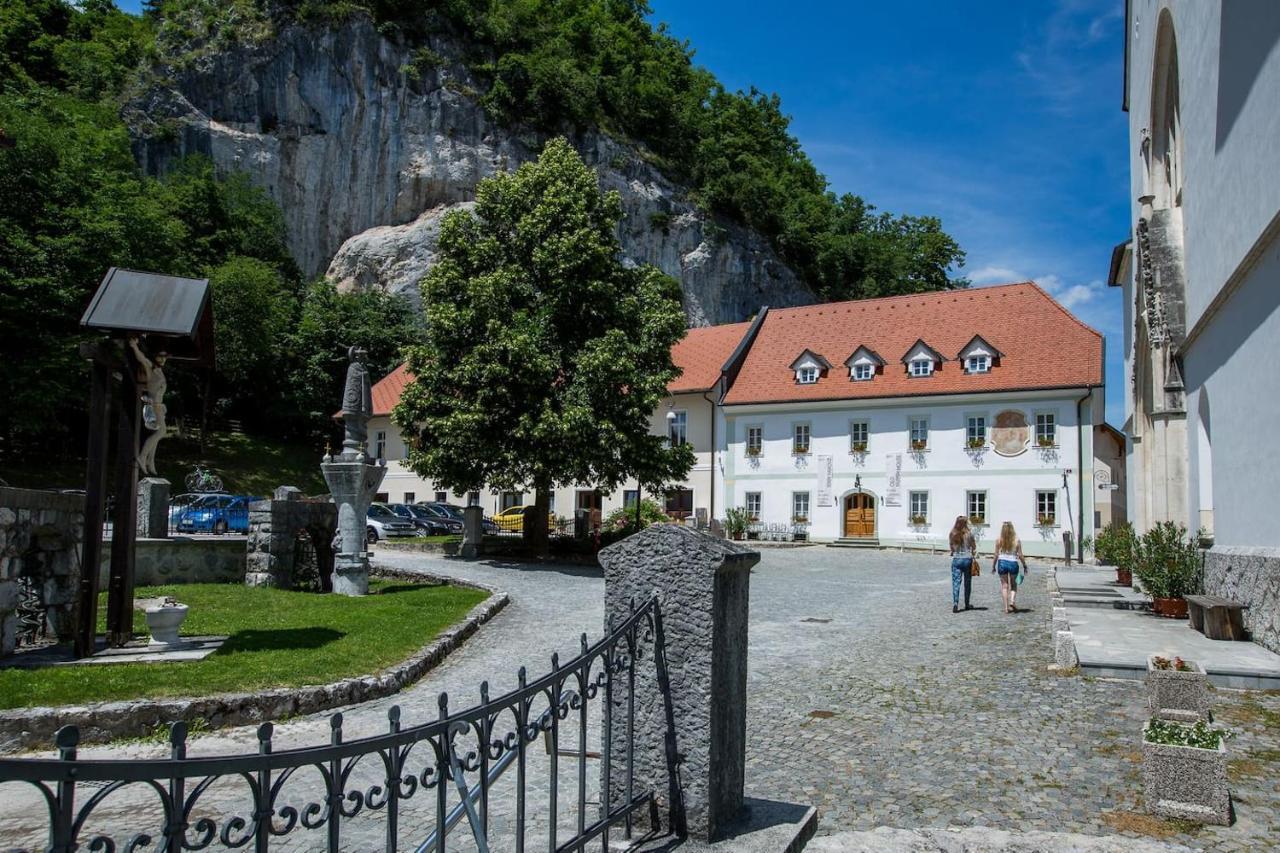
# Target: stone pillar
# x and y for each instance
(153, 508)
(472, 532)
(353, 481)
(702, 584)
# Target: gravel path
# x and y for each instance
(869, 698)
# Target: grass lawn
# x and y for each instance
(247, 464)
(277, 639)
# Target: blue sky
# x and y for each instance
(1001, 118)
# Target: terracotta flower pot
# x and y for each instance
(1172, 608)
(1124, 577)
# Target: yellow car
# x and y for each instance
(511, 520)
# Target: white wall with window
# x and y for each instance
(950, 479)
(859, 436)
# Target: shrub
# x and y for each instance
(1199, 735)
(1114, 545)
(736, 521)
(1167, 561)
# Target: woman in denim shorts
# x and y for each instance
(963, 552)
(1007, 561)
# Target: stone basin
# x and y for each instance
(163, 621)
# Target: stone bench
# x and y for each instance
(1216, 618)
(912, 539)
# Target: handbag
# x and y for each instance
(974, 571)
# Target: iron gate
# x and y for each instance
(468, 751)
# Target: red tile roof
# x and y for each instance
(700, 354)
(1042, 344)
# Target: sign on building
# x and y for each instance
(825, 469)
(893, 491)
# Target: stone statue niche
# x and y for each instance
(353, 480)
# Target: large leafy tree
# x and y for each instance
(544, 355)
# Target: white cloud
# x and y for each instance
(1076, 295)
(994, 275)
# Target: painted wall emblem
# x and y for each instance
(1011, 435)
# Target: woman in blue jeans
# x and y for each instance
(1009, 564)
(963, 552)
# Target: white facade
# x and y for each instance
(1204, 112)
(1014, 480)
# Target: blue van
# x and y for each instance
(216, 514)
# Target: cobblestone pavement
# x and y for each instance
(868, 699)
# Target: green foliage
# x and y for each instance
(253, 310)
(1114, 545)
(736, 521)
(276, 638)
(1199, 735)
(625, 516)
(544, 357)
(1168, 562)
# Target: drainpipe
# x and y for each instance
(712, 510)
(1079, 544)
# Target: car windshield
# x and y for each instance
(453, 511)
(417, 512)
(210, 501)
(380, 512)
(434, 509)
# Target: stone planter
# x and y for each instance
(1170, 608)
(1186, 782)
(1179, 696)
(163, 621)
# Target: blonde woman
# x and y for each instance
(1006, 563)
(964, 550)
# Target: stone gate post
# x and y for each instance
(153, 508)
(472, 531)
(690, 744)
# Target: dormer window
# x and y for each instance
(863, 364)
(922, 360)
(979, 356)
(809, 367)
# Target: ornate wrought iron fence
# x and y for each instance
(467, 750)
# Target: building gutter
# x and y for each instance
(712, 503)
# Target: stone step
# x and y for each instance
(845, 542)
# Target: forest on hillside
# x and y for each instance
(73, 201)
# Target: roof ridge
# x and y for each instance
(956, 291)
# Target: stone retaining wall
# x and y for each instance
(33, 728)
(274, 529)
(1250, 576)
(40, 535)
(182, 559)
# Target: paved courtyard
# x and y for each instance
(869, 698)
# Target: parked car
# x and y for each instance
(178, 504)
(511, 520)
(487, 524)
(427, 522)
(382, 523)
(441, 513)
(216, 514)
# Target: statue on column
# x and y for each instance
(153, 409)
(357, 404)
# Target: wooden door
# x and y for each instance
(860, 516)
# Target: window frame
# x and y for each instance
(380, 444)
(912, 420)
(984, 500)
(679, 422)
(809, 370)
(410, 497)
(1053, 416)
(808, 506)
(971, 360)
(969, 433)
(925, 362)
(758, 429)
(866, 435)
(1040, 495)
(796, 426)
(860, 366)
(911, 505)
(759, 502)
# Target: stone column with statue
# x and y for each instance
(353, 480)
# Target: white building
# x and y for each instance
(884, 419)
(1201, 279)
(879, 420)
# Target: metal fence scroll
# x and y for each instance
(416, 783)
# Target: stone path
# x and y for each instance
(868, 699)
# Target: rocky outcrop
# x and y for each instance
(365, 154)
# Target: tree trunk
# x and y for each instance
(540, 540)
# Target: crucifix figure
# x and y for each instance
(152, 404)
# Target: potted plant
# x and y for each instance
(919, 444)
(1184, 771)
(753, 450)
(736, 522)
(859, 447)
(1114, 547)
(799, 519)
(1044, 441)
(1177, 689)
(976, 443)
(919, 520)
(1045, 521)
(1167, 563)
(977, 520)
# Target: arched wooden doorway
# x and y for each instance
(859, 515)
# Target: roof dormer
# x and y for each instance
(979, 356)
(808, 367)
(864, 364)
(922, 359)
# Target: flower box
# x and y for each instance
(859, 447)
(753, 451)
(1185, 782)
(1181, 695)
(1045, 521)
(799, 519)
(1045, 442)
(976, 443)
(919, 520)
(977, 520)
(919, 445)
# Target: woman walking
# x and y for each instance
(1006, 563)
(964, 550)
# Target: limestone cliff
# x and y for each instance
(365, 154)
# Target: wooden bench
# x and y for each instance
(1216, 618)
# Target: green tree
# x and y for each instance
(331, 322)
(544, 356)
(254, 311)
